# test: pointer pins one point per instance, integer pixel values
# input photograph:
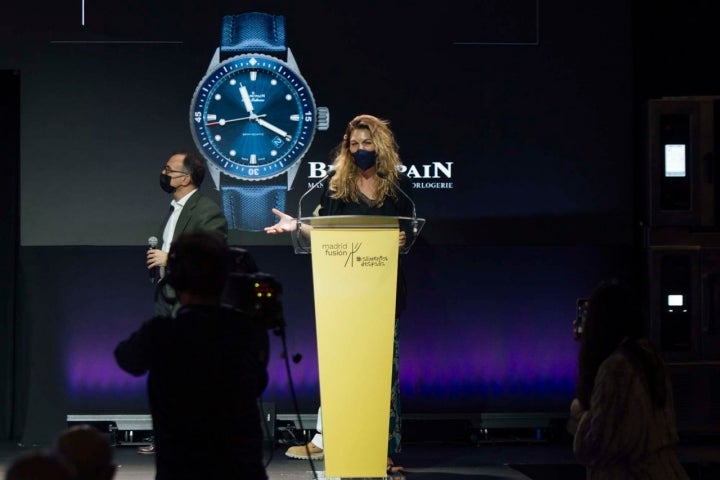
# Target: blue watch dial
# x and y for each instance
(253, 117)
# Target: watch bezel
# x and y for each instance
(217, 76)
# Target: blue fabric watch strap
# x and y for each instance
(253, 32)
(248, 207)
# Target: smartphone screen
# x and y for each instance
(582, 306)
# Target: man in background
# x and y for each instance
(190, 211)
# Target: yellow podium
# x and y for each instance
(355, 265)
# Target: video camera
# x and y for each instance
(252, 292)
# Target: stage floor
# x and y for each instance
(426, 461)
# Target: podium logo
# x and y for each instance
(351, 253)
(334, 249)
(371, 260)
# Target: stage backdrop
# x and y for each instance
(514, 121)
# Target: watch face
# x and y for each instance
(253, 117)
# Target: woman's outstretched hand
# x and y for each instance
(286, 223)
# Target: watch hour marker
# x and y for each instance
(273, 153)
(218, 97)
(233, 153)
(288, 97)
(253, 75)
(295, 117)
(253, 159)
(218, 138)
(273, 82)
(233, 82)
(210, 117)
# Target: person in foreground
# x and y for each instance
(89, 452)
(207, 367)
(623, 419)
(365, 182)
(40, 465)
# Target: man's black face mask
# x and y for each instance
(165, 183)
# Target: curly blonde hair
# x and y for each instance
(344, 185)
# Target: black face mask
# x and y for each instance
(364, 159)
(165, 183)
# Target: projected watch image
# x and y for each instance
(253, 117)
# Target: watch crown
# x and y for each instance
(323, 118)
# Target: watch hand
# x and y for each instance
(222, 121)
(246, 99)
(273, 128)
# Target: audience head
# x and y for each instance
(613, 314)
(198, 264)
(39, 465)
(89, 451)
(614, 322)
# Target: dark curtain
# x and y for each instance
(9, 239)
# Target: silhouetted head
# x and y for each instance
(39, 465)
(198, 264)
(89, 451)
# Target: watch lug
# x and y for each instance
(291, 61)
(214, 60)
(214, 174)
(291, 173)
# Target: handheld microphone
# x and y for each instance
(414, 221)
(155, 271)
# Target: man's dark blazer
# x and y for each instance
(199, 213)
